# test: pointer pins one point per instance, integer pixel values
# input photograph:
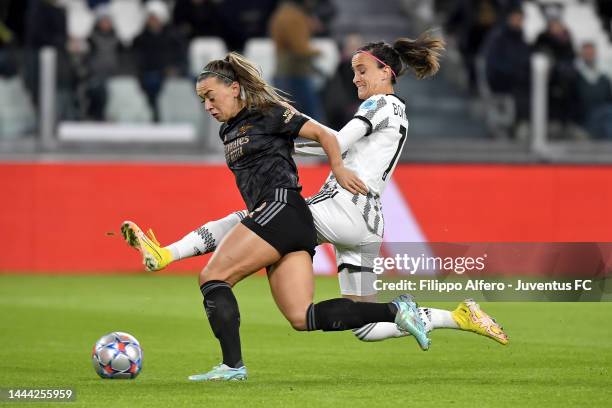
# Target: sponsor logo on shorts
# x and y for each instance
(258, 209)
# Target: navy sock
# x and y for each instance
(224, 318)
(345, 314)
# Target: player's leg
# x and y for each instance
(356, 278)
(292, 287)
(357, 283)
(206, 238)
(468, 316)
(291, 283)
(336, 219)
(291, 280)
(274, 229)
(240, 254)
(339, 222)
(200, 241)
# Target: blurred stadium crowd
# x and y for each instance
(497, 44)
(127, 61)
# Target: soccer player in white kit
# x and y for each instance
(353, 222)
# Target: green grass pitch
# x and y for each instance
(560, 354)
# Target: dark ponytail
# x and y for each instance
(421, 55)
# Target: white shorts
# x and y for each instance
(339, 222)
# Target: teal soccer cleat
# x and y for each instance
(409, 320)
(221, 373)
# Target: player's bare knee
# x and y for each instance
(231, 275)
(209, 273)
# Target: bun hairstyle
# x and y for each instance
(256, 92)
(421, 55)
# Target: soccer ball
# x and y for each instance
(117, 355)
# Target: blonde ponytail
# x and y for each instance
(255, 91)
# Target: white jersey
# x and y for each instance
(373, 155)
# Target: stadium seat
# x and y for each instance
(585, 26)
(80, 18)
(175, 92)
(328, 61)
(17, 114)
(534, 22)
(204, 49)
(126, 101)
(499, 108)
(261, 51)
(582, 22)
(128, 19)
(178, 103)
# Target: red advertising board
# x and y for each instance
(55, 217)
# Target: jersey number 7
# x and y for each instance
(400, 146)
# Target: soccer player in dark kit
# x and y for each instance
(354, 223)
(278, 233)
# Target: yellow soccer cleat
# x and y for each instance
(470, 317)
(154, 257)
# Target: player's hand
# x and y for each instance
(349, 180)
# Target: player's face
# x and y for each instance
(368, 77)
(222, 101)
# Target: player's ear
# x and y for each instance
(235, 89)
(388, 73)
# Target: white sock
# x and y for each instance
(440, 319)
(433, 319)
(378, 331)
(206, 238)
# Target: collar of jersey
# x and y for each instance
(403, 101)
(238, 116)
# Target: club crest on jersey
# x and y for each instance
(287, 115)
(243, 129)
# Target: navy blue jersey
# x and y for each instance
(258, 150)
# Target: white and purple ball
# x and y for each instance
(117, 355)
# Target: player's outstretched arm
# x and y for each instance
(345, 177)
(354, 130)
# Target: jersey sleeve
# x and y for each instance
(289, 122)
(374, 112)
(351, 132)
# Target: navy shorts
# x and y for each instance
(285, 222)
